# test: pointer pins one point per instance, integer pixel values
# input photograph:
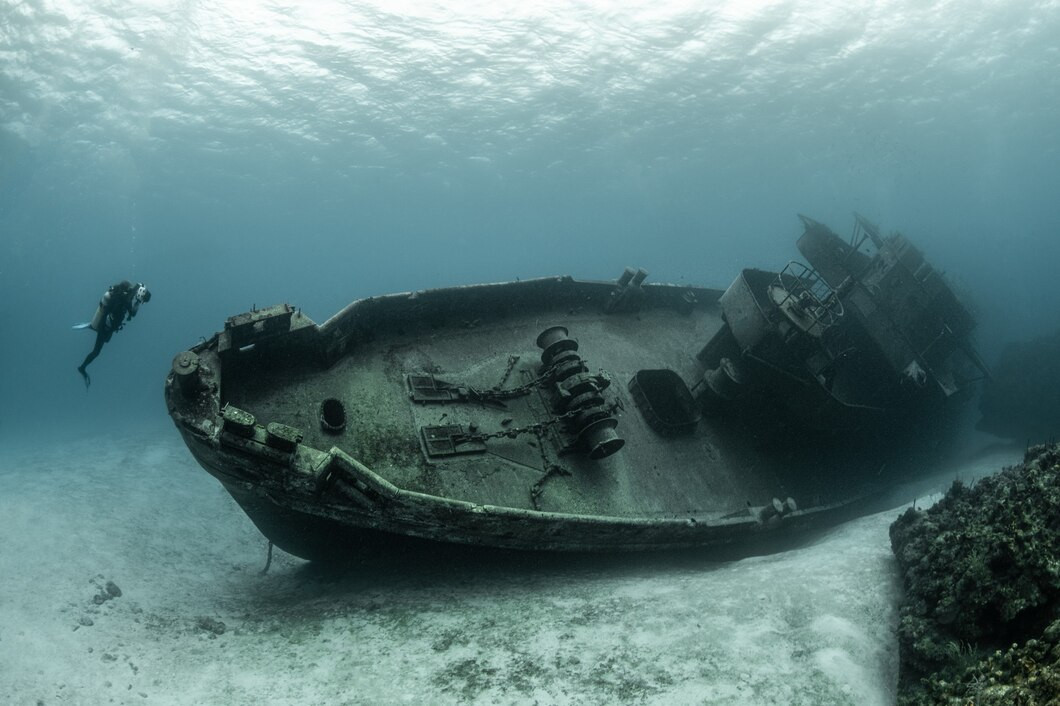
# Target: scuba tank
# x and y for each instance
(97, 318)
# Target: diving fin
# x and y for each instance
(81, 326)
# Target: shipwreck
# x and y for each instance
(586, 416)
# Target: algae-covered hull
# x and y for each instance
(564, 415)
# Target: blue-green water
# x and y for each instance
(232, 154)
(240, 153)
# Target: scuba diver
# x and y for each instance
(119, 304)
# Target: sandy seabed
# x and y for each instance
(196, 622)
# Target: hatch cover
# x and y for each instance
(450, 440)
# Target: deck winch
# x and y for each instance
(579, 417)
(579, 394)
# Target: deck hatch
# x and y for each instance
(450, 440)
(427, 388)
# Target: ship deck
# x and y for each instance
(720, 467)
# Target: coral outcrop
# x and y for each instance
(980, 622)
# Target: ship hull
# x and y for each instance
(321, 531)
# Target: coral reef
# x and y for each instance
(980, 622)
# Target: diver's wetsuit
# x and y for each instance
(118, 302)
